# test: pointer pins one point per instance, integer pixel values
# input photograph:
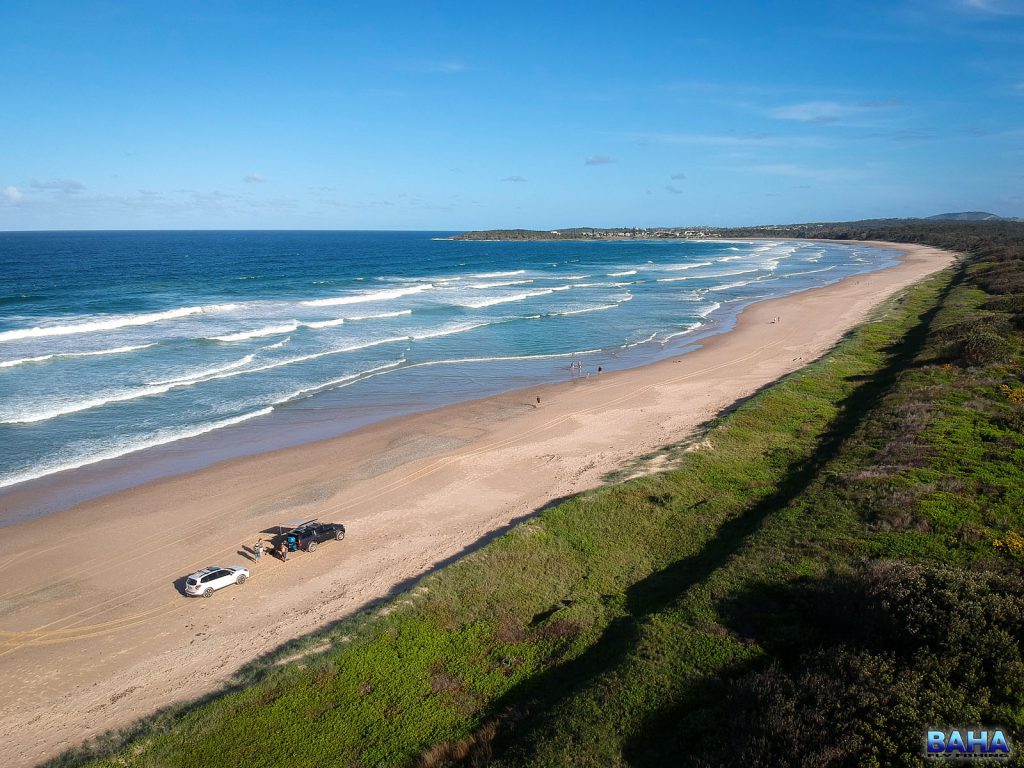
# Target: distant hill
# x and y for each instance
(968, 216)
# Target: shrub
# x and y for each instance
(1014, 394)
(983, 348)
(1012, 545)
(1012, 304)
(879, 656)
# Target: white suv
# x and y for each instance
(214, 577)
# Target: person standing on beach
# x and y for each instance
(258, 549)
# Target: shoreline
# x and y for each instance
(415, 492)
(324, 417)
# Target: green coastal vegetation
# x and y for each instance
(820, 575)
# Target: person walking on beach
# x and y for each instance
(258, 549)
(284, 552)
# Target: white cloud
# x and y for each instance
(67, 186)
(733, 139)
(678, 176)
(804, 172)
(449, 67)
(994, 7)
(254, 178)
(812, 112)
(673, 189)
(12, 195)
(598, 160)
(517, 179)
(435, 66)
(828, 111)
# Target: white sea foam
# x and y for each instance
(379, 316)
(643, 341)
(278, 345)
(270, 330)
(110, 323)
(500, 274)
(736, 272)
(205, 373)
(811, 271)
(582, 311)
(352, 377)
(500, 284)
(622, 274)
(689, 329)
(160, 437)
(325, 323)
(359, 298)
(503, 358)
(680, 267)
(44, 358)
(305, 358)
(707, 310)
(448, 330)
(29, 416)
(506, 299)
(711, 276)
(727, 286)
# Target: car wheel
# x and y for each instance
(240, 579)
(208, 592)
(339, 535)
(311, 547)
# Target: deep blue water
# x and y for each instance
(112, 342)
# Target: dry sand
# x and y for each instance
(95, 632)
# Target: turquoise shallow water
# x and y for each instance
(114, 343)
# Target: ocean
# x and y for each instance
(214, 344)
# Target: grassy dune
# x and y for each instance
(831, 568)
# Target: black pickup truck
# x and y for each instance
(310, 533)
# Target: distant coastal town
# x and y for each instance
(594, 233)
(865, 229)
(659, 233)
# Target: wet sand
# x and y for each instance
(95, 631)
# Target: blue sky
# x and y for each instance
(450, 116)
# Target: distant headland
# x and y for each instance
(811, 230)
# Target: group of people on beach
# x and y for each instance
(576, 366)
(281, 551)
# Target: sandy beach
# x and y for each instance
(95, 631)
